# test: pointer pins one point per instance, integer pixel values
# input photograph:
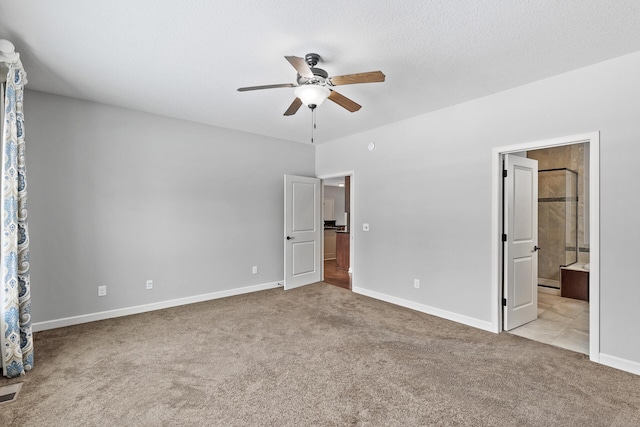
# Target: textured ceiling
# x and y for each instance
(186, 59)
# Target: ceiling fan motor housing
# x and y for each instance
(320, 76)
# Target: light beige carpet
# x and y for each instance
(314, 356)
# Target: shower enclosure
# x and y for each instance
(557, 223)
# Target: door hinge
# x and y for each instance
(504, 237)
(504, 302)
(504, 173)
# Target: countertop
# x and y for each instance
(576, 267)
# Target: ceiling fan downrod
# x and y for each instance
(312, 59)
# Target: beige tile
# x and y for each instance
(542, 307)
(548, 299)
(556, 317)
(581, 323)
(535, 335)
(574, 340)
(563, 322)
(541, 330)
(570, 307)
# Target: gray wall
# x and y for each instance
(117, 197)
(426, 193)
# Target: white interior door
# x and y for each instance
(520, 250)
(302, 231)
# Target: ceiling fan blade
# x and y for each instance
(244, 89)
(349, 79)
(293, 108)
(344, 102)
(300, 65)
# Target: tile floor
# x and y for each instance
(563, 322)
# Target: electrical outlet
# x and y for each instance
(102, 290)
(254, 269)
(416, 283)
(149, 284)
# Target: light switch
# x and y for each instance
(365, 227)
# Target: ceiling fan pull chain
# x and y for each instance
(313, 122)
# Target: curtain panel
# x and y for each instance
(16, 337)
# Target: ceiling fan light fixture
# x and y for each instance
(312, 95)
(312, 85)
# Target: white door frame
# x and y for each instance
(352, 216)
(593, 139)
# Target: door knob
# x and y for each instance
(290, 238)
(536, 248)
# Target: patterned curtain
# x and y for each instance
(16, 336)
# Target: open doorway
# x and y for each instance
(578, 246)
(337, 239)
(563, 241)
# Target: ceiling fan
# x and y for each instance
(313, 85)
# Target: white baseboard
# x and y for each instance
(618, 363)
(465, 320)
(604, 359)
(92, 317)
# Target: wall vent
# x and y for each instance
(9, 393)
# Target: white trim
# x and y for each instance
(593, 139)
(92, 317)
(618, 363)
(455, 317)
(352, 209)
(594, 247)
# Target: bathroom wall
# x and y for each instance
(572, 157)
(557, 223)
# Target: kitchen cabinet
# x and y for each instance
(342, 250)
(329, 209)
(574, 283)
(347, 194)
(329, 244)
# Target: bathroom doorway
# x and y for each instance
(563, 260)
(568, 230)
